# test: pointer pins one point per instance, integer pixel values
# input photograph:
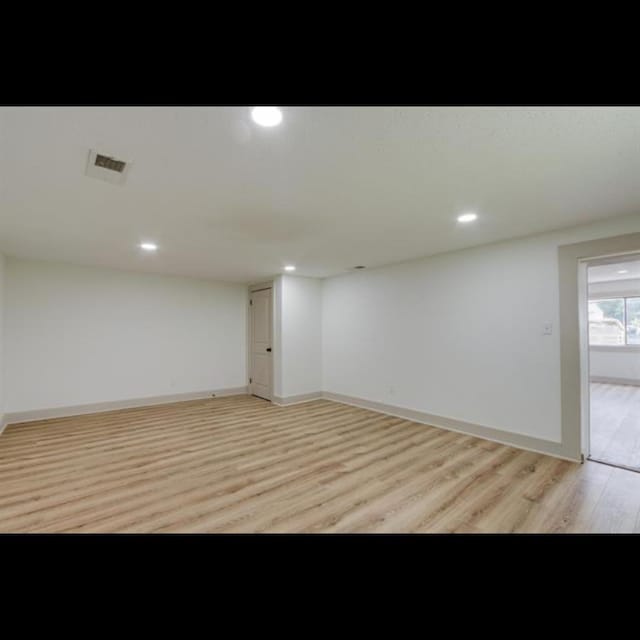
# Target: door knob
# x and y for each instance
(269, 349)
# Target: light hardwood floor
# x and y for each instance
(615, 424)
(240, 464)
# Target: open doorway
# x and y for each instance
(613, 286)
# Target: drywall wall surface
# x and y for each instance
(615, 365)
(80, 335)
(300, 335)
(630, 287)
(459, 335)
(2, 262)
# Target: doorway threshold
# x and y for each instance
(614, 464)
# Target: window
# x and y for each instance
(633, 320)
(614, 322)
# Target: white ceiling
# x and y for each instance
(330, 188)
(609, 272)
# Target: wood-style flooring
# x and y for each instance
(240, 464)
(615, 424)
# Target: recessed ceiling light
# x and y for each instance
(266, 116)
(289, 267)
(148, 246)
(468, 217)
(623, 271)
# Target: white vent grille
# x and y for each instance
(107, 168)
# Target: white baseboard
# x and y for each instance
(303, 397)
(517, 440)
(537, 445)
(609, 380)
(78, 410)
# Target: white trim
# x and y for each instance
(610, 380)
(609, 295)
(299, 399)
(517, 440)
(528, 443)
(260, 286)
(584, 365)
(77, 410)
(613, 293)
(616, 348)
(574, 352)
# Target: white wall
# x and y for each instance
(298, 336)
(458, 335)
(2, 259)
(619, 366)
(79, 335)
(277, 336)
(629, 287)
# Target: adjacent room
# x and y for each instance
(313, 319)
(614, 362)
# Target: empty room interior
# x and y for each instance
(319, 319)
(614, 361)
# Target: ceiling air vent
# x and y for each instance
(107, 168)
(110, 163)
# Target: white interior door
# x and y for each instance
(260, 361)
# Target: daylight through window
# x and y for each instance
(614, 322)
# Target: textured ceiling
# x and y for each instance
(330, 188)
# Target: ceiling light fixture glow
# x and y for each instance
(148, 246)
(266, 116)
(289, 267)
(623, 271)
(467, 217)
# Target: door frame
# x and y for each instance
(585, 366)
(585, 353)
(574, 347)
(260, 286)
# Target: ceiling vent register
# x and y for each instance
(107, 168)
